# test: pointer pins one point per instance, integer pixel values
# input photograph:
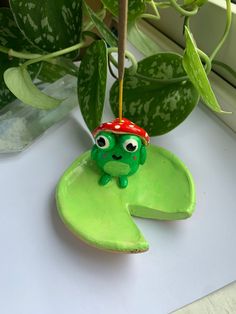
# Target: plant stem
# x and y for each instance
(206, 59)
(112, 59)
(183, 11)
(111, 70)
(163, 81)
(225, 67)
(227, 29)
(90, 34)
(54, 54)
(162, 4)
(17, 54)
(186, 23)
(150, 16)
(128, 54)
(153, 5)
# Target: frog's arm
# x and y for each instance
(143, 155)
(94, 152)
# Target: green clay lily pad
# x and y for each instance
(161, 189)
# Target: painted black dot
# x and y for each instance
(101, 142)
(130, 147)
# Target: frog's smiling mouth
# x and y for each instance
(116, 157)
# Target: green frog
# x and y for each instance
(118, 156)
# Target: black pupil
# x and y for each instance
(130, 147)
(101, 142)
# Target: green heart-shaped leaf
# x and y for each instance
(49, 25)
(141, 41)
(196, 73)
(108, 36)
(92, 83)
(135, 7)
(20, 84)
(162, 189)
(159, 97)
(11, 37)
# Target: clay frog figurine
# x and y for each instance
(120, 147)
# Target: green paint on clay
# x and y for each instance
(162, 189)
(114, 158)
(116, 168)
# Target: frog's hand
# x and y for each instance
(143, 155)
(100, 218)
(94, 152)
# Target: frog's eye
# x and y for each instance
(105, 141)
(102, 142)
(130, 145)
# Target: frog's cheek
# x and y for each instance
(143, 155)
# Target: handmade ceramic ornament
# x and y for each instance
(101, 215)
(119, 149)
(152, 182)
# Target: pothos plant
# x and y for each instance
(42, 39)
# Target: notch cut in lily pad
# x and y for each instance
(162, 189)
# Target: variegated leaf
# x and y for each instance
(12, 38)
(92, 83)
(159, 97)
(49, 25)
(106, 33)
(135, 7)
(196, 72)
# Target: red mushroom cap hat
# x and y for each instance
(124, 126)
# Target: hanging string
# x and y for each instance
(122, 31)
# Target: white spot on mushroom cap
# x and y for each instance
(131, 126)
(117, 126)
